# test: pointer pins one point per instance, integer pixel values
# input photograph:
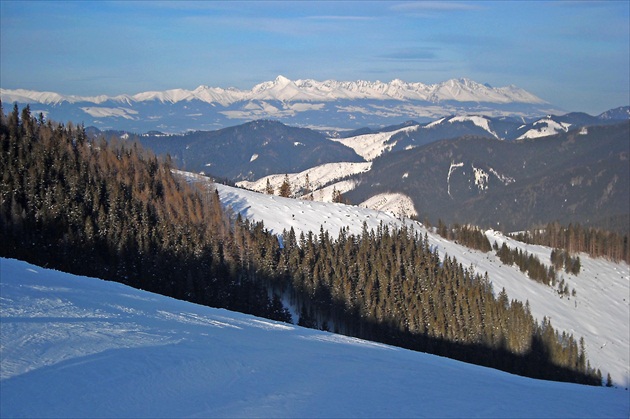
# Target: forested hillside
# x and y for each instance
(579, 176)
(114, 211)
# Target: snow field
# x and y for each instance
(82, 347)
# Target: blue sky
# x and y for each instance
(574, 54)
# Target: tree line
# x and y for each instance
(474, 238)
(112, 210)
(575, 238)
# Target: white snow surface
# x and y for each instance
(599, 312)
(397, 204)
(370, 146)
(82, 347)
(318, 176)
(544, 128)
(101, 112)
(285, 90)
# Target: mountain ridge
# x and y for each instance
(328, 104)
(282, 88)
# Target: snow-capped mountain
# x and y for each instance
(330, 103)
(283, 89)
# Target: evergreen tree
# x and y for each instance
(285, 188)
(337, 196)
(609, 382)
(308, 191)
(268, 188)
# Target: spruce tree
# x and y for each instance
(268, 188)
(285, 188)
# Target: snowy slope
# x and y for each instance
(545, 127)
(599, 312)
(396, 204)
(370, 146)
(318, 176)
(81, 347)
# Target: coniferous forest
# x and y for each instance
(109, 209)
(576, 238)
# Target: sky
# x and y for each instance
(573, 54)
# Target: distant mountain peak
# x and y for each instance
(282, 80)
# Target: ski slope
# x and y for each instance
(82, 347)
(599, 312)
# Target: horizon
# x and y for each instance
(574, 55)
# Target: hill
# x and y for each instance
(575, 176)
(250, 151)
(598, 312)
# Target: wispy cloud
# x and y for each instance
(421, 54)
(342, 18)
(434, 6)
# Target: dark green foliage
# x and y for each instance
(527, 263)
(390, 286)
(466, 235)
(561, 259)
(116, 212)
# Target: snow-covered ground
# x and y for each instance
(82, 347)
(396, 204)
(544, 128)
(318, 176)
(599, 312)
(370, 146)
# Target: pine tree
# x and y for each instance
(285, 188)
(268, 188)
(308, 192)
(337, 196)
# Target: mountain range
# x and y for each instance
(330, 103)
(582, 175)
(63, 335)
(495, 172)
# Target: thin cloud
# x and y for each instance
(411, 55)
(342, 18)
(434, 6)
